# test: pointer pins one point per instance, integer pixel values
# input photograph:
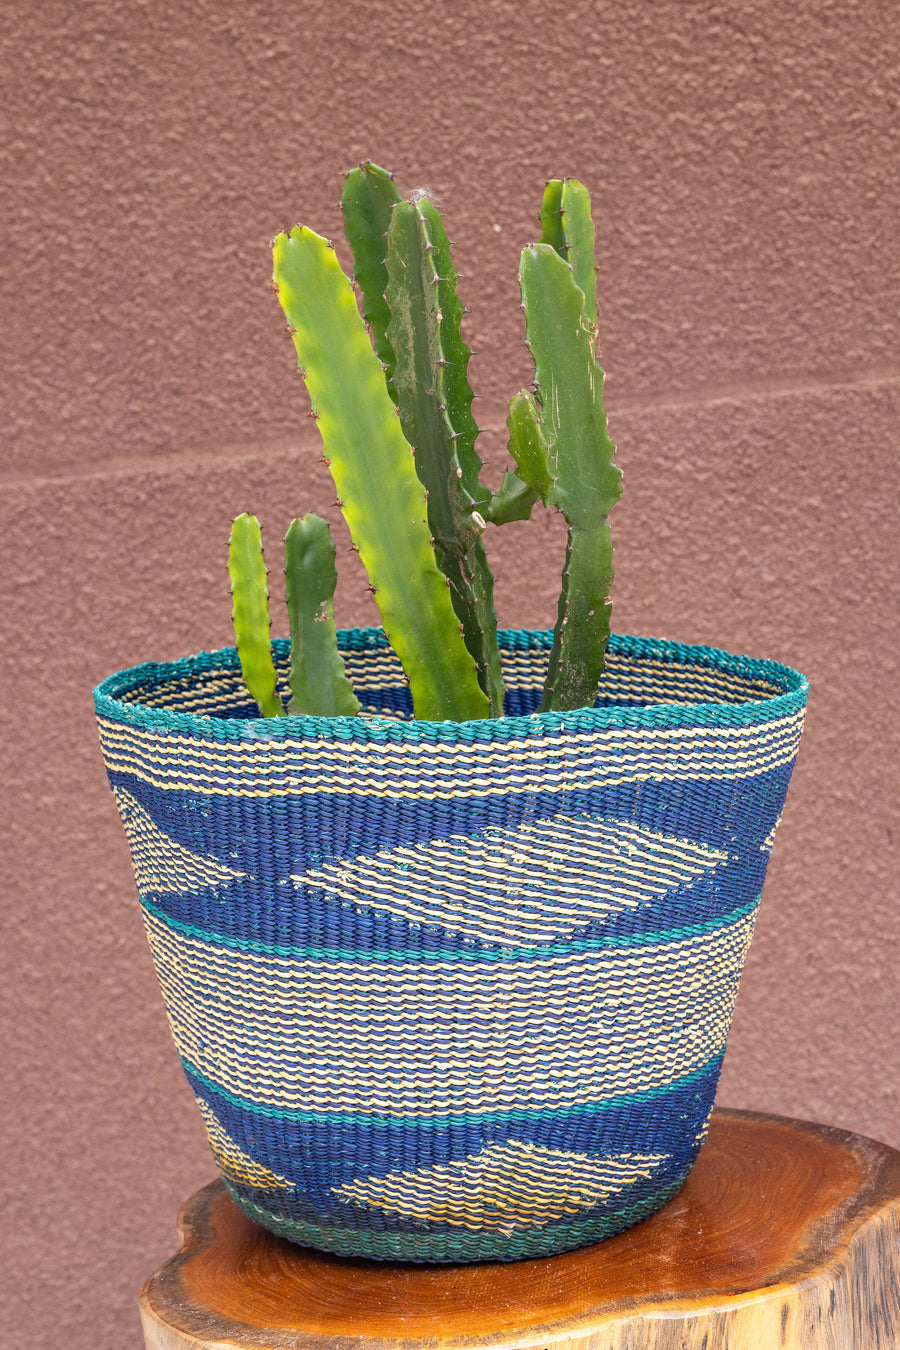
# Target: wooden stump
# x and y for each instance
(784, 1235)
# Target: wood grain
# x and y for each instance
(784, 1235)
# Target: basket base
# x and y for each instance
(457, 1248)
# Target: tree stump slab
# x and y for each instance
(784, 1235)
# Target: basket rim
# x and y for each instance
(790, 696)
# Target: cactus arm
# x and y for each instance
(416, 332)
(453, 373)
(528, 444)
(250, 613)
(414, 335)
(372, 465)
(587, 483)
(366, 202)
(567, 226)
(513, 500)
(319, 684)
(520, 490)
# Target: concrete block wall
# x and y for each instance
(743, 160)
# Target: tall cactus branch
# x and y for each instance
(567, 226)
(366, 202)
(586, 482)
(372, 465)
(434, 399)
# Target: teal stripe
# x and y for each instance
(561, 948)
(356, 1118)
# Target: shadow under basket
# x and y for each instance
(453, 991)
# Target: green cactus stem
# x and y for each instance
(318, 679)
(250, 613)
(371, 462)
(366, 202)
(528, 447)
(586, 482)
(431, 388)
(567, 226)
(454, 371)
(528, 444)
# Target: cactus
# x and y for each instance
(372, 466)
(318, 680)
(529, 444)
(399, 436)
(586, 482)
(250, 613)
(432, 392)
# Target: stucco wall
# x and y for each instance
(743, 163)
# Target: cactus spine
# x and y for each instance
(318, 680)
(586, 482)
(372, 465)
(432, 392)
(250, 613)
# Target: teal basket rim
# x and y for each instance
(790, 698)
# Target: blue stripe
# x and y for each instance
(308, 830)
(698, 1079)
(317, 1155)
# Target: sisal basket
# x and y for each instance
(453, 991)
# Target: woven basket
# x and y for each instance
(453, 991)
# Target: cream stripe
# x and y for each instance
(287, 1032)
(162, 865)
(521, 777)
(232, 1160)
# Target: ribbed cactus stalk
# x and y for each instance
(567, 226)
(367, 201)
(318, 680)
(432, 392)
(250, 614)
(586, 484)
(371, 462)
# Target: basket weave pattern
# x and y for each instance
(453, 991)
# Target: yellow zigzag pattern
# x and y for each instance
(161, 864)
(525, 885)
(517, 1184)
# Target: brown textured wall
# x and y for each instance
(743, 163)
